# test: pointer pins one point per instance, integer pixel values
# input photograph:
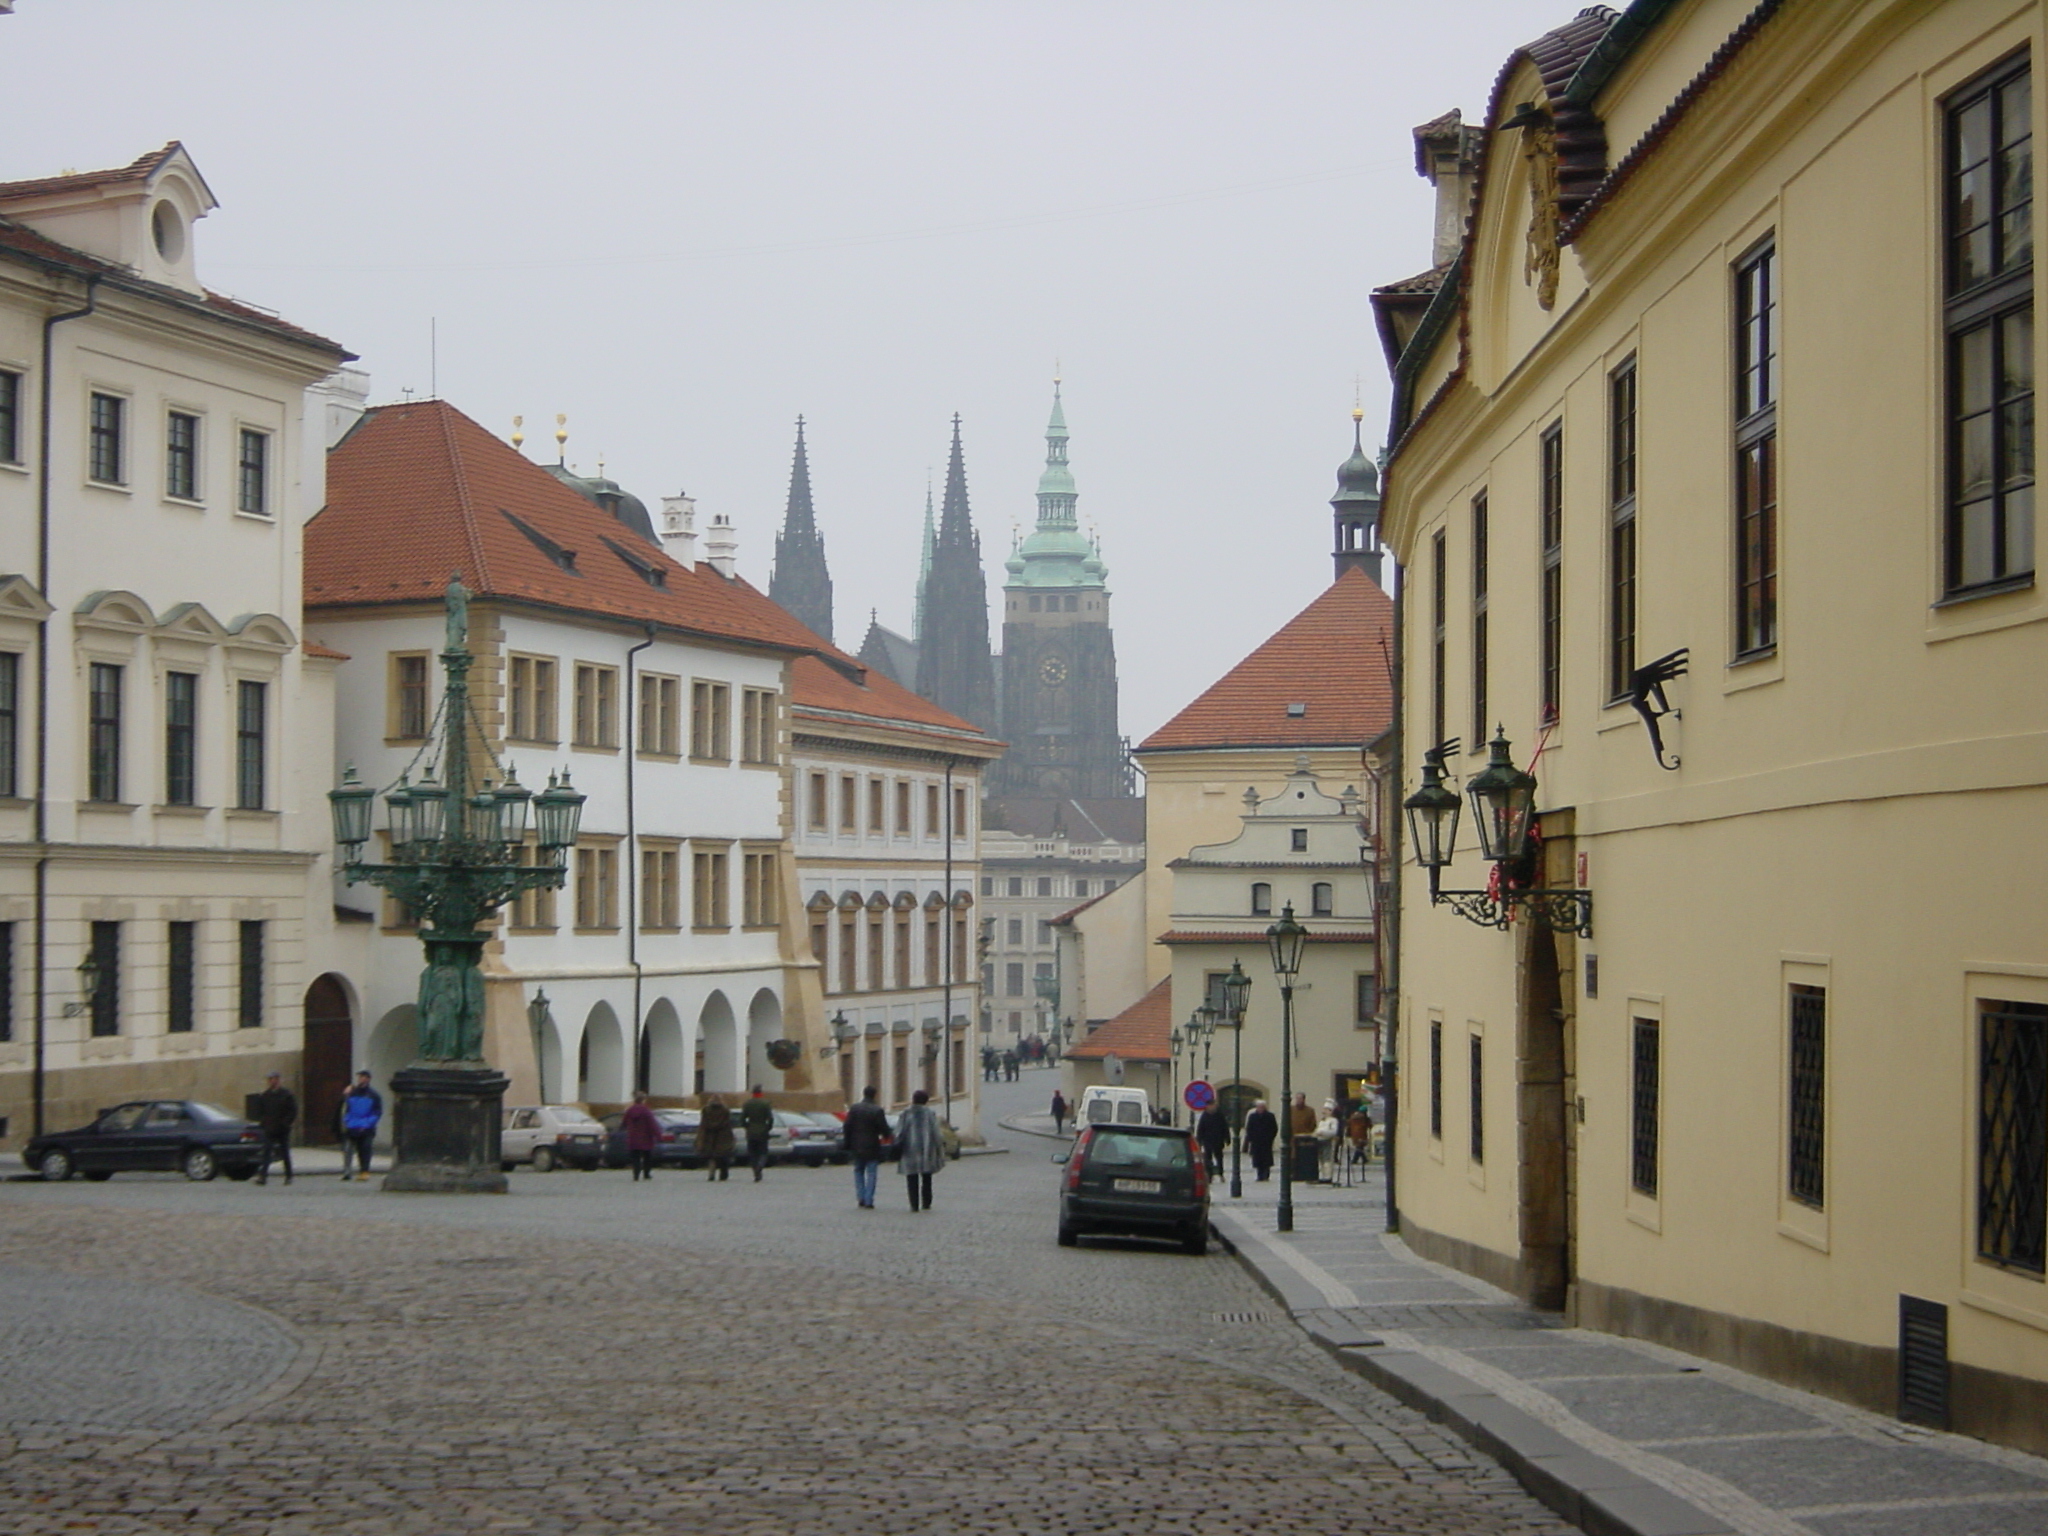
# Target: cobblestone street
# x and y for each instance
(593, 1355)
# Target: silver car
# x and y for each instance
(549, 1135)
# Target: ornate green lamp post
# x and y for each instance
(454, 861)
(1236, 988)
(1286, 939)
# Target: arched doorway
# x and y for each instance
(667, 1072)
(718, 1047)
(764, 1023)
(601, 1059)
(327, 1058)
(394, 1045)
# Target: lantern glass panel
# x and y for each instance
(1286, 939)
(515, 800)
(351, 805)
(429, 811)
(399, 805)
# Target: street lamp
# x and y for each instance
(1236, 988)
(1286, 940)
(454, 861)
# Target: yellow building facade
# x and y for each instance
(1728, 394)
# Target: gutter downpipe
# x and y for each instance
(632, 745)
(946, 993)
(1390, 920)
(42, 807)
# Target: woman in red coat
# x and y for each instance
(643, 1136)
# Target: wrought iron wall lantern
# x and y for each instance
(1504, 814)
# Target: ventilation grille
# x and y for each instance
(1923, 1362)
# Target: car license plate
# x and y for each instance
(1135, 1186)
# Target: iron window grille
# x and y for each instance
(6, 983)
(1480, 659)
(1621, 529)
(103, 733)
(1436, 1082)
(1438, 644)
(181, 738)
(2012, 1134)
(182, 978)
(10, 417)
(1550, 523)
(1478, 1099)
(106, 991)
(1806, 1176)
(252, 708)
(1643, 1116)
(10, 724)
(249, 977)
(1756, 451)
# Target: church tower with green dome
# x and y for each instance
(1059, 658)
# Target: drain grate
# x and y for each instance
(1244, 1317)
(1923, 1362)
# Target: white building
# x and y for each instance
(163, 732)
(661, 687)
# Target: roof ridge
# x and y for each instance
(463, 498)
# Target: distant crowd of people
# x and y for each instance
(1002, 1066)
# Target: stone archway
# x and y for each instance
(601, 1059)
(394, 1045)
(327, 1060)
(764, 1023)
(667, 1068)
(718, 1044)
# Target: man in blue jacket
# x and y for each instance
(361, 1109)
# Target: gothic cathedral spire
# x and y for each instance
(800, 582)
(954, 667)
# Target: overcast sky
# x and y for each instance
(682, 224)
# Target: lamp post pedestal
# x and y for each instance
(447, 1129)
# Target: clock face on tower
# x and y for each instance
(1053, 671)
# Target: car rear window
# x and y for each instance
(573, 1117)
(1166, 1152)
(210, 1112)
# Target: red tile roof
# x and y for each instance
(324, 652)
(820, 685)
(418, 491)
(1331, 657)
(1139, 1033)
(141, 168)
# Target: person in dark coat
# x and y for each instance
(757, 1119)
(276, 1113)
(1212, 1133)
(867, 1131)
(643, 1136)
(1261, 1130)
(1059, 1112)
(714, 1137)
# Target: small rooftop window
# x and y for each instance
(1296, 711)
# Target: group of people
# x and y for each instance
(356, 1118)
(1002, 1066)
(716, 1141)
(1313, 1136)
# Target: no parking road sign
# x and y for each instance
(1198, 1096)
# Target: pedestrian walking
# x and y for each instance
(714, 1137)
(361, 1110)
(1009, 1066)
(643, 1136)
(1301, 1139)
(1212, 1132)
(1358, 1131)
(1261, 1128)
(757, 1119)
(1059, 1112)
(867, 1132)
(277, 1111)
(919, 1151)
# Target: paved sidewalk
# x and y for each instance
(1620, 1436)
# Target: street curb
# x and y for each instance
(1599, 1496)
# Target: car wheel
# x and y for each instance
(99, 1176)
(199, 1164)
(543, 1159)
(55, 1166)
(1196, 1243)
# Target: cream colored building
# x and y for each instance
(163, 729)
(1732, 370)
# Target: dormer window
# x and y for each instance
(1297, 711)
(167, 229)
(1297, 840)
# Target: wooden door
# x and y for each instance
(326, 1059)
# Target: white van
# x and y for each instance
(1104, 1105)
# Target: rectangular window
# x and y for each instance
(1262, 899)
(931, 810)
(711, 721)
(106, 987)
(249, 976)
(1297, 839)
(533, 909)
(1806, 1156)
(103, 733)
(661, 896)
(1438, 642)
(181, 738)
(6, 983)
(660, 725)
(1436, 1080)
(961, 825)
(10, 725)
(1621, 529)
(1014, 886)
(597, 887)
(252, 708)
(1368, 995)
(1756, 452)
(1481, 656)
(901, 936)
(1645, 1082)
(596, 706)
(1045, 885)
(10, 417)
(710, 888)
(104, 445)
(821, 814)
(759, 876)
(1322, 899)
(530, 698)
(932, 957)
(877, 956)
(849, 955)
(2012, 1134)
(1550, 535)
(1013, 979)
(849, 803)
(181, 978)
(410, 716)
(876, 793)
(1989, 178)
(903, 827)
(181, 456)
(1478, 1049)
(252, 473)
(1016, 930)
(757, 725)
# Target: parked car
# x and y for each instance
(151, 1135)
(678, 1146)
(549, 1135)
(1102, 1104)
(815, 1138)
(1140, 1180)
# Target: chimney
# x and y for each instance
(679, 529)
(722, 546)
(1447, 157)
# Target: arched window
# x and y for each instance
(1262, 899)
(1322, 899)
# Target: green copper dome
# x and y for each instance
(1056, 553)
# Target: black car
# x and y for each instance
(151, 1135)
(1140, 1180)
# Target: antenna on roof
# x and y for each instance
(433, 358)
(561, 437)
(518, 437)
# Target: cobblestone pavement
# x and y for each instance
(592, 1355)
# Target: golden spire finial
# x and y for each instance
(561, 436)
(518, 437)
(600, 464)
(1357, 396)
(1056, 372)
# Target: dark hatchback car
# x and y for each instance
(151, 1136)
(678, 1145)
(1135, 1180)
